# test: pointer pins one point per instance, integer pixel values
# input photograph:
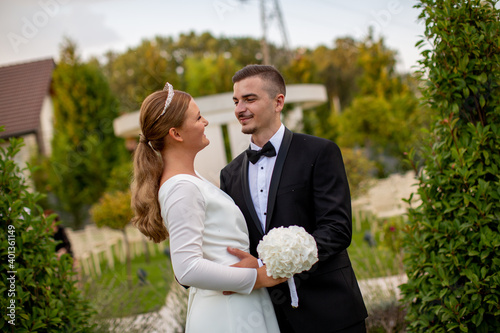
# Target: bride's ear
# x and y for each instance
(175, 135)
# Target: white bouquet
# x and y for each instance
(288, 251)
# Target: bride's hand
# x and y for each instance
(266, 281)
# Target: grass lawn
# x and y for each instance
(112, 297)
(372, 261)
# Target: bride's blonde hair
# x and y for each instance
(148, 163)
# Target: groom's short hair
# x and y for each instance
(275, 84)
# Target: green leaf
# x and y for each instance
(482, 78)
(482, 101)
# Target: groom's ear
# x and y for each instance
(279, 102)
(175, 135)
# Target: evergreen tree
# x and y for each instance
(452, 242)
(84, 147)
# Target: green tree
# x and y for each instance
(378, 63)
(209, 75)
(184, 62)
(84, 148)
(338, 70)
(452, 242)
(38, 289)
(385, 116)
(137, 72)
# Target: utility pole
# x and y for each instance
(263, 22)
(265, 17)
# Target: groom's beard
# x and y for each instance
(251, 130)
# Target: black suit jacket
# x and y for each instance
(308, 188)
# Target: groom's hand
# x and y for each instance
(246, 259)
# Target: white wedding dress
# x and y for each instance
(202, 222)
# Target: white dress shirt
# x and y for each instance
(259, 176)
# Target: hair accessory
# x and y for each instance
(142, 139)
(146, 141)
(169, 98)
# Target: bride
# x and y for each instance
(172, 200)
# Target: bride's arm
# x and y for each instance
(185, 212)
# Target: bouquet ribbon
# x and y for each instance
(293, 292)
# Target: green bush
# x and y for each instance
(452, 241)
(38, 290)
(359, 169)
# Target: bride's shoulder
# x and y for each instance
(181, 182)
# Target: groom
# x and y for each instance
(285, 179)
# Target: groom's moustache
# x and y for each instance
(244, 115)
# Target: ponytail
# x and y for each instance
(148, 167)
(148, 163)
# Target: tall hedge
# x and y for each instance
(39, 292)
(452, 242)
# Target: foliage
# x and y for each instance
(452, 240)
(384, 115)
(200, 64)
(137, 72)
(359, 171)
(40, 288)
(210, 75)
(338, 70)
(113, 210)
(385, 127)
(391, 233)
(378, 63)
(84, 148)
(120, 177)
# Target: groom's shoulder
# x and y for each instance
(306, 141)
(235, 164)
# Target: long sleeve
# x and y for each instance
(185, 216)
(332, 203)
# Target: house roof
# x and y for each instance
(23, 88)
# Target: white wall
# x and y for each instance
(47, 124)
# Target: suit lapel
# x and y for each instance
(275, 179)
(247, 196)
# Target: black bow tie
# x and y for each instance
(254, 155)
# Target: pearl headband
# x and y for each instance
(169, 98)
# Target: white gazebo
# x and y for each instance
(219, 111)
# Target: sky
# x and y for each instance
(34, 29)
